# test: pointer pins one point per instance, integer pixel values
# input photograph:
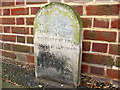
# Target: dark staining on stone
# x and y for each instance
(43, 47)
(47, 60)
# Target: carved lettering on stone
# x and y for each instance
(57, 43)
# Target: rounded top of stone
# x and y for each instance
(59, 13)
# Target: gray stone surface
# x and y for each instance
(57, 43)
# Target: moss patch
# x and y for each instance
(30, 40)
(109, 61)
(20, 48)
(21, 39)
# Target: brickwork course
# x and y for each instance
(101, 29)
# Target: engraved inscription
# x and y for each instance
(57, 43)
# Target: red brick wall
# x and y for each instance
(101, 28)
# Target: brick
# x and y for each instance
(77, 1)
(11, 38)
(22, 57)
(117, 62)
(102, 10)
(102, 23)
(115, 23)
(7, 29)
(86, 46)
(1, 37)
(103, 1)
(97, 59)
(99, 47)
(7, 21)
(30, 21)
(85, 58)
(11, 55)
(100, 35)
(1, 29)
(87, 22)
(7, 46)
(0, 12)
(111, 73)
(32, 50)
(30, 40)
(55, 1)
(36, 1)
(30, 59)
(1, 45)
(108, 36)
(1, 20)
(92, 35)
(21, 39)
(31, 30)
(84, 68)
(79, 9)
(7, 3)
(20, 30)
(20, 2)
(119, 37)
(34, 10)
(114, 49)
(97, 70)
(6, 11)
(20, 21)
(20, 11)
(21, 48)
(117, 0)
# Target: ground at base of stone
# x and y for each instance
(25, 78)
(89, 82)
(8, 85)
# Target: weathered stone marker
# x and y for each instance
(57, 43)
